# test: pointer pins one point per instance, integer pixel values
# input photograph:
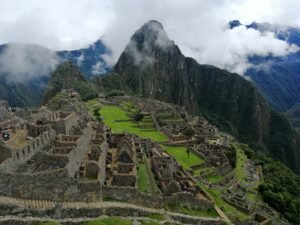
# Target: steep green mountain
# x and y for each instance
(154, 67)
(68, 76)
(293, 115)
(25, 68)
(111, 83)
(21, 94)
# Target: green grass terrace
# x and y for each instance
(182, 157)
(120, 121)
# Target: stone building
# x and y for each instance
(122, 160)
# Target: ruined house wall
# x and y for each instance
(197, 153)
(102, 161)
(19, 156)
(188, 200)
(48, 186)
(131, 195)
(77, 155)
(5, 153)
(65, 126)
(70, 122)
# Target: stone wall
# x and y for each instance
(77, 155)
(65, 125)
(131, 195)
(5, 153)
(21, 155)
(187, 199)
(46, 186)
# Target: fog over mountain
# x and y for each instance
(199, 27)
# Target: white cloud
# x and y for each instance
(80, 59)
(233, 47)
(199, 27)
(98, 68)
(20, 62)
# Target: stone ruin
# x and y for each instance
(175, 183)
(215, 156)
(54, 151)
(122, 159)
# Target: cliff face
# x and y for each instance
(153, 66)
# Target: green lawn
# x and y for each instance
(181, 156)
(214, 178)
(129, 106)
(143, 180)
(112, 115)
(204, 171)
(109, 221)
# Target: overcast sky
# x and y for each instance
(199, 27)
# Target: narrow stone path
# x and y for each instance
(44, 204)
(222, 215)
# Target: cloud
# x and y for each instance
(233, 47)
(80, 59)
(98, 68)
(20, 62)
(152, 34)
(55, 24)
(198, 27)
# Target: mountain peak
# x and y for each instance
(151, 34)
(153, 23)
(147, 42)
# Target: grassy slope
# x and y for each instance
(241, 160)
(112, 116)
(109, 221)
(216, 195)
(143, 180)
(181, 156)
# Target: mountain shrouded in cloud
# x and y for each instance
(25, 68)
(199, 27)
(24, 62)
(276, 76)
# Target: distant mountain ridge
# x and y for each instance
(89, 60)
(278, 78)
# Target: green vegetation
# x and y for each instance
(214, 178)
(182, 157)
(241, 160)
(119, 121)
(216, 195)
(150, 222)
(156, 216)
(68, 76)
(204, 171)
(154, 223)
(129, 107)
(281, 187)
(49, 223)
(109, 221)
(143, 180)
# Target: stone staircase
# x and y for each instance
(28, 203)
(38, 204)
